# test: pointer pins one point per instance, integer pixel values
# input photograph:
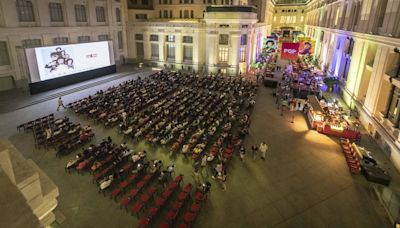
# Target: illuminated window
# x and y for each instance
(274, 18)
(223, 53)
(242, 54)
(170, 38)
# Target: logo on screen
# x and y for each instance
(91, 56)
(59, 60)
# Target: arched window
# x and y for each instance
(25, 11)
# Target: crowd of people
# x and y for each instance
(183, 111)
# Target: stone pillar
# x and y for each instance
(234, 54)
(377, 78)
(178, 51)
(211, 51)
(161, 48)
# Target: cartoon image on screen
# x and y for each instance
(270, 46)
(60, 61)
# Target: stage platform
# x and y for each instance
(20, 98)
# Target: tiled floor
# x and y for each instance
(304, 182)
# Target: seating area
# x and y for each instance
(58, 133)
(131, 182)
(353, 157)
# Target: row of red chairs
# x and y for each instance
(160, 201)
(352, 158)
(133, 193)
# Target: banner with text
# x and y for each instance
(290, 51)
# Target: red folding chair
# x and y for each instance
(137, 208)
(178, 178)
(188, 217)
(144, 222)
(177, 205)
(125, 202)
(195, 207)
(133, 193)
(182, 196)
(164, 224)
(170, 216)
(167, 193)
(145, 198)
(188, 188)
(115, 193)
(200, 196)
(153, 212)
(183, 225)
(160, 202)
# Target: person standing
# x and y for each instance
(263, 150)
(242, 152)
(60, 104)
(254, 148)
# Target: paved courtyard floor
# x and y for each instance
(304, 181)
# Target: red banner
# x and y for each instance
(290, 51)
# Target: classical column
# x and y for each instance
(234, 48)
(161, 44)
(211, 51)
(178, 51)
(387, 108)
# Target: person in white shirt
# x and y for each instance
(263, 150)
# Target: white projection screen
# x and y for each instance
(56, 61)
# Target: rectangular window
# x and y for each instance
(171, 51)
(243, 40)
(242, 54)
(153, 37)
(170, 38)
(103, 37)
(4, 58)
(223, 39)
(165, 13)
(138, 36)
(154, 50)
(223, 54)
(118, 14)
(31, 43)
(60, 40)
(188, 53)
(186, 14)
(120, 40)
(56, 12)
(187, 39)
(80, 13)
(141, 16)
(139, 51)
(83, 39)
(25, 11)
(100, 14)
